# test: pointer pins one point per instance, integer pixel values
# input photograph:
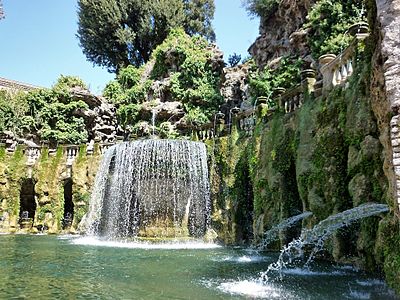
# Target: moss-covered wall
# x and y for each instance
(49, 175)
(325, 157)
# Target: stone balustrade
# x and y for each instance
(247, 125)
(247, 121)
(206, 134)
(71, 152)
(104, 146)
(32, 154)
(292, 99)
(336, 70)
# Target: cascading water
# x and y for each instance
(316, 236)
(272, 234)
(151, 188)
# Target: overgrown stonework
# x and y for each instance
(385, 86)
(324, 158)
(49, 176)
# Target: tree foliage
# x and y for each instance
(193, 80)
(47, 113)
(119, 33)
(234, 59)
(1, 10)
(286, 75)
(261, 8)
(328, 22)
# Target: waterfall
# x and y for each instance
(316, 236)
(151, 188)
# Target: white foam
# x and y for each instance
(92, 241)
(252, 288)
(371, 282)
(359, 295)
(244, 258)
(66, 236)
(307, 272)
(240, 259)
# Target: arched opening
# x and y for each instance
(68, 203)
(27, 203)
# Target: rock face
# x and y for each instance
(387, 74)
(160, 105)
(281, 34)
(235, 88)
(100, 119)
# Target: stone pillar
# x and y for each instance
(326, 71)
(395, 138)
(308, 76)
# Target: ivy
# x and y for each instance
(184, 65)
(328, 22)
(286, 75)
(48, 113)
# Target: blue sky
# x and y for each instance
(38, 40)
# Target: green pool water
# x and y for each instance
(50, 267)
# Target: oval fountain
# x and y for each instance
(151, 189)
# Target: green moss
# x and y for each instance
(2, 153)
(387, 245)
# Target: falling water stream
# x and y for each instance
(272, 234)
(317, 236)
(151, 188)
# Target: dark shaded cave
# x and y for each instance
(27, 203)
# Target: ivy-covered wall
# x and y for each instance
(325, 157)
(48, 175)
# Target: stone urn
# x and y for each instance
(359, 29)
(279, 91)
(308, 73)
(326, 59)
(262, 100)
(235, 110)
(220, 116)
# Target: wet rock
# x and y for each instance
(359, 189)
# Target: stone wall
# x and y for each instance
(49, 171)
(388, 17)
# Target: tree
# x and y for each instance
(118, 33)
(199, 15)
(234, 59)
(261, 8)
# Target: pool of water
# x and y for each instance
(65, 267)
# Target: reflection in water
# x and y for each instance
(47, 267)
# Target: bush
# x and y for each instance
(328, 22)
(193, 80)
(47, 113)
(261, 8)
(286, 75)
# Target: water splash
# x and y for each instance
(151, 188)
(168, 245)
(272, 234)
(318, 235)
